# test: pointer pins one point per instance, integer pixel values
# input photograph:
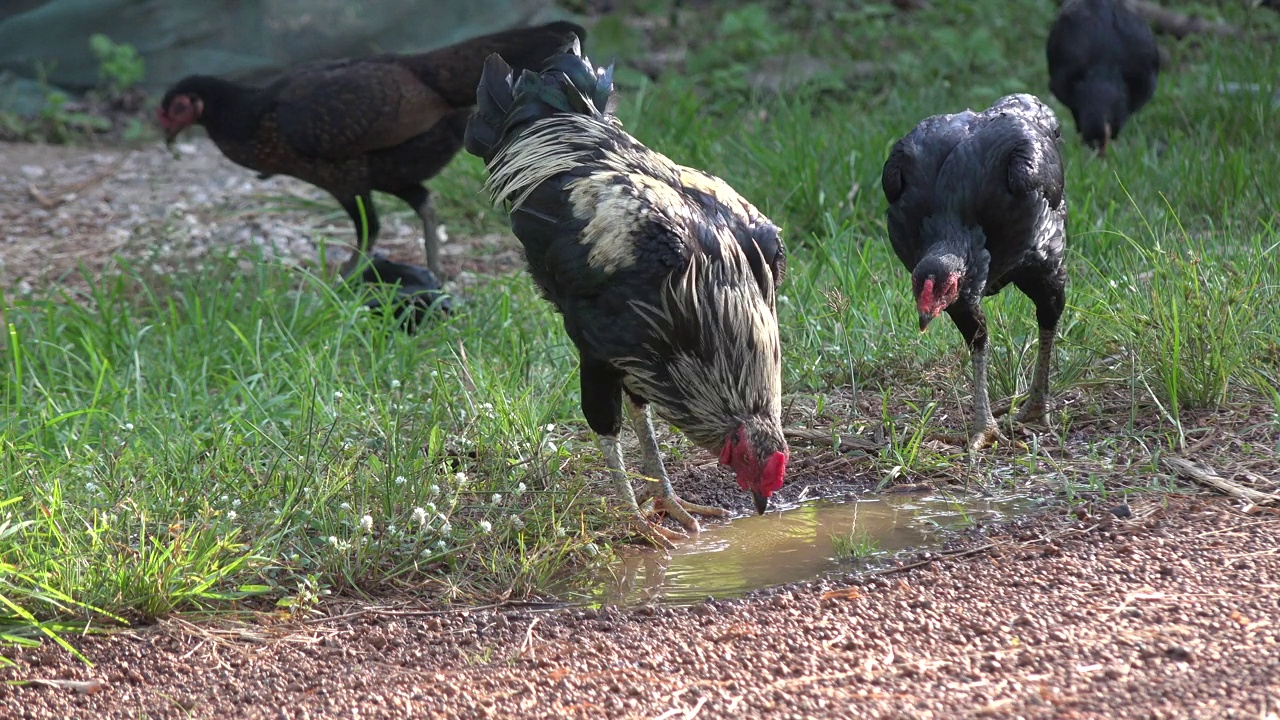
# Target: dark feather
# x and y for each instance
(1103, 64)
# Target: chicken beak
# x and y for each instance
(925, 319)
(762, 502)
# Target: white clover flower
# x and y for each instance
(333, 541)
(497, 497)
(460, 478)
(433, 490)
(337, 395)
(520, 489)
(231, 515)
(420, 516)
(345, 506)
(560, 531)
(441, 545)
(128, 427)
(446, 529)
(225, 498)
(91, 487)
(434, 373)
(392, 530)
(235, 503)
(400, 480)
(486, 526)
(366, 523)
(517, 522)
(395, 384)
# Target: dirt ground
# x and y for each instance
(1173, 612)
(63, 208)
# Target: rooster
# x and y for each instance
(976, 202)
(349, 127)
(666, 278)
(1103, 65)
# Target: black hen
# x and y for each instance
(976, 202)
(666, 277)
(386, 122)
(1103, 65)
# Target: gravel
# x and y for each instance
(1170, 613)
(61, 207)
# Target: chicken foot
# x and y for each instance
(654, 533)
(659, 487)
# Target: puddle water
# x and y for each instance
(796, 544)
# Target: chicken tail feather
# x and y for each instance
(506, 104)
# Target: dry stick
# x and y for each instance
(50, 203)
(1170, 22)
(527, 645)
(815, 436)
(1191, 471)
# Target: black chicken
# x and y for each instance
(976, 202)
(386, 123)
(665, 276)
(1103, 65)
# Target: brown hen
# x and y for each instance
(386, 123)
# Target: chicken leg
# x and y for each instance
(365, 218)
(973, 326)
(1049, 301)
(659, 487)
(654, 533)
(418, 197)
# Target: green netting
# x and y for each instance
(237, 38)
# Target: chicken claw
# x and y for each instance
(654, 533)
(986, 437)
(1030, 411)
(666, 501)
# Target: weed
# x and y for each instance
(856, 545)
(119, 65)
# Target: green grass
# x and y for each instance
(855, 545)
(248, 436)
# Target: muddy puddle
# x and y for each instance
(799, 543)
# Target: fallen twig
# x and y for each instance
(1191, 471)
(49, 203)
(527, 645)
(84, 687)
(1171, 22)
(842, 443)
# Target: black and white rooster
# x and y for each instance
(665, 276)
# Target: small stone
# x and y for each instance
(1121, 511)
(1180, 653)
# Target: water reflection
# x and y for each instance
(797, 544)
